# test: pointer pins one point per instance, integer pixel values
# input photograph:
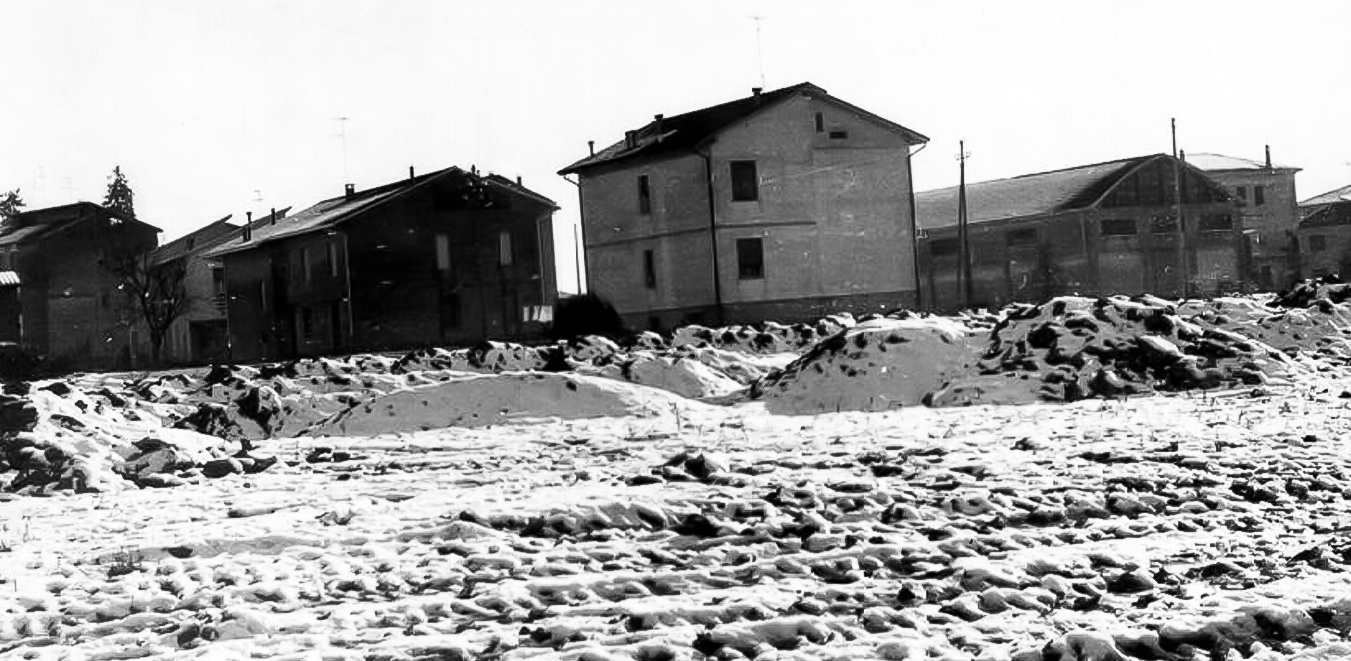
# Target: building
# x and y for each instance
(1265, 194)
(1107, 228)
(200, 335)
(1324, 234)
(447, 257)
(59, 299)
(786, 205)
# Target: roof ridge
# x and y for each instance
(1046, 172)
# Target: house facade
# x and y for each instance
(783, 205)
(1269, 207)
(449, 257)
(1107, 228)
(1324, 234)
(58, 298)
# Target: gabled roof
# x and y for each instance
(198, 239)
(31, 225)
(334, 211)
(1027, 195)
(686, 131)
(1220, 163)
(1342, 194)
(1326, 215)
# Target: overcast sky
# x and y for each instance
(216, 108)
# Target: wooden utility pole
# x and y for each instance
(1184, 261)
(963, 232)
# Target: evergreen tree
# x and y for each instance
(119, 194)
(11, 203)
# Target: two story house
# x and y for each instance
(1265, 195)
(447, 257)
(787, 204)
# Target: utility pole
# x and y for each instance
(577, 256)
(963, 232)
(1185, 261)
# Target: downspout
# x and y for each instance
(713, 236)
(581, 223)
(914, 223)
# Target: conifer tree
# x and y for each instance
(11, 203)
(120, 195)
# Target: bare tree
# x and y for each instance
(156, 292)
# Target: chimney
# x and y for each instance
(248, 226)
(1268, 157)
(591, 145)
(518, 180)
(274, 216)
(656, 125)
(755, 91)
(630, 139)
(1182, 154)
(410, 172)
(350, 191)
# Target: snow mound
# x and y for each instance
(875, 365)
(494, 399)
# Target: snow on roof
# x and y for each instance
(1219, 162)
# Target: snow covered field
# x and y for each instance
(1093, 480)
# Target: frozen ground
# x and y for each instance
(601, 502)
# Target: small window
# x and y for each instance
(218, 280)
(1117, 227)
(333, 259)
(1022, 237)
(1318, 243)
(649, 269)
(4, 261)
(839, 135)
(504, 254)
(944, 247)
(1241, 192)
(644, 196)
(750, 259)
(443, 253)
(1215, 222)
(820, 123)
(1259, 195)
(745, 182)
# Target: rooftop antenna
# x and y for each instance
(342, 133)
(759, 51)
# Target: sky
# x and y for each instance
(220, 108)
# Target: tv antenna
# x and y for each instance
(342, 133)
(759, 50)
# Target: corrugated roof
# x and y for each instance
(30, 225)
(9, 278)
(683, 132)
(1027, 195)
(331, 212)
(1342, 194)
(1220, 163)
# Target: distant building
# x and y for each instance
(1325, 234)
(1265, 194)
(783, 205)
(447, 257)
(1107, 228)
(201, 334)
(57, 298)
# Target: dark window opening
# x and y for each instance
(644, 196)
(943, 247)
(1117, 227)
(745, 182)
(1241, 192)
(1212, 222)
(1022, 237)
(1318, 243)
(750, 259)
(649, 269)
(839, 135)
(1259, 195)
(820, 123)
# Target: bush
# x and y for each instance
(586, 314)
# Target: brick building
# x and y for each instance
(1324, 234)
(1107, 228)
(57, 298)
(786, 204)
(1269, 208)
(448, 257)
